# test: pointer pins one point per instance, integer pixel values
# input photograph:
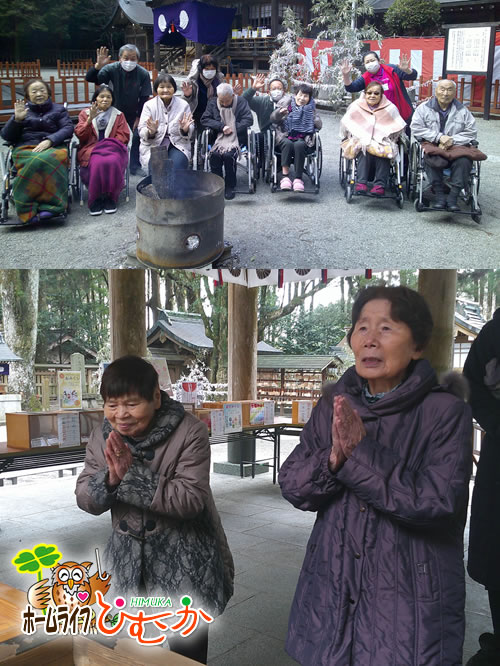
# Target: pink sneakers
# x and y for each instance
(286, 184)
(298, 185)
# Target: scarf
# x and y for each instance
(404, 108)
(373, 127)
(209, 84)
(102, 119)
(226, 142)
(300, 119)
(166, 419)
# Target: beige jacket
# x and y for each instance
(167, 534)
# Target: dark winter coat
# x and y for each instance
(484, 538)
(167, 534)
(382, 582)
(243, 117)
(43, 121)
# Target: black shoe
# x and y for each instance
(452, 202)
(96, 207)
(138, 172)
(489, 654)
(229, 193)
(109, 205)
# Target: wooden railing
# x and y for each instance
(469, 93)
(25, 69)
(73, 68)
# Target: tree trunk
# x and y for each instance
(19, 292)
(439, 288)
(154, 301)
(242, 342)
(127, 301)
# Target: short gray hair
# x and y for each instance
(224, 89)
(129, 47)
(447, 81)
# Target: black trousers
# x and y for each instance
(369, 163)
(460, 172)
(228, 161)
(295, 150)
(494, 599)
(195, 646)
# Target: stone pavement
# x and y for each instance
(266, 534)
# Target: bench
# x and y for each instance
(27, 462)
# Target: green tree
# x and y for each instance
(286, 62)
(339, 21)
(413, 17)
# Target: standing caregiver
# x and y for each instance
(385, 461)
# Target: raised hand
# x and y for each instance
(152, 126)
(187, 88)
(186, 121)
(20, 110)
(259, 82)
(348, 426)
(345, 67)
(238, 88)
(118, 457)
(93, 111)
(103, 57)
(404, 63)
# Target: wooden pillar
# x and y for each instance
(439, 288)
(127, 312)
(157, 57)
(274, 17)
(242, 342)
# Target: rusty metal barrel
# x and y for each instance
(184, 230)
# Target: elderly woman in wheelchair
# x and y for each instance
(38, 130)
(371, 128)
(296, 120)
(229, 116)
(447, 133)
(102, 153)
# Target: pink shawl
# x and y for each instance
(381, 125)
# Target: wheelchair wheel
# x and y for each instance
(342, 170)
(319, 151)
(400, 198)
(411, 171)
(419, 207)
(349, 191)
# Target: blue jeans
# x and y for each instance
(178, 158)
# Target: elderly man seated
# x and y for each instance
(230, 117)
(445, 122)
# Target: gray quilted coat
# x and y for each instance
(167, 535)
(382, 583)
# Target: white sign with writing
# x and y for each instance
(468, 49)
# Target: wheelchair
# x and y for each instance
(394, 190)
(313, 164)
(9, 173)
(76, 185)
(417, 180)
(247, 160)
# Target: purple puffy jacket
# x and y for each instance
(383, 580)
(43, 121)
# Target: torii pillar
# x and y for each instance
(127, 308)
(439, 288)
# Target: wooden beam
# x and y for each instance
(127, 312)
(242, 342)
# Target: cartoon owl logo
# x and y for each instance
(71, 587)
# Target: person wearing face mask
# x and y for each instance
(37, 130)
(166, 120)
(229, 116)
(371, 128)
(102, 154)
(201, 86)
(131, 85)
(296, 121)
(391, 77)
(263, 105)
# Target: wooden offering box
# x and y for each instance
(23, 428)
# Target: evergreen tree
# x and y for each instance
(413, 17)
(286, 62)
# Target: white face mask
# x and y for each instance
(276, 94)
(372, 67)
(128, 65)
(209, 73)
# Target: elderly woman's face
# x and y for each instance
(302, 98)
(373, 95)
(131, 415)
(38, 93)
(383, 348)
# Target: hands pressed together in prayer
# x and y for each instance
(347, 432)
(118, 457)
